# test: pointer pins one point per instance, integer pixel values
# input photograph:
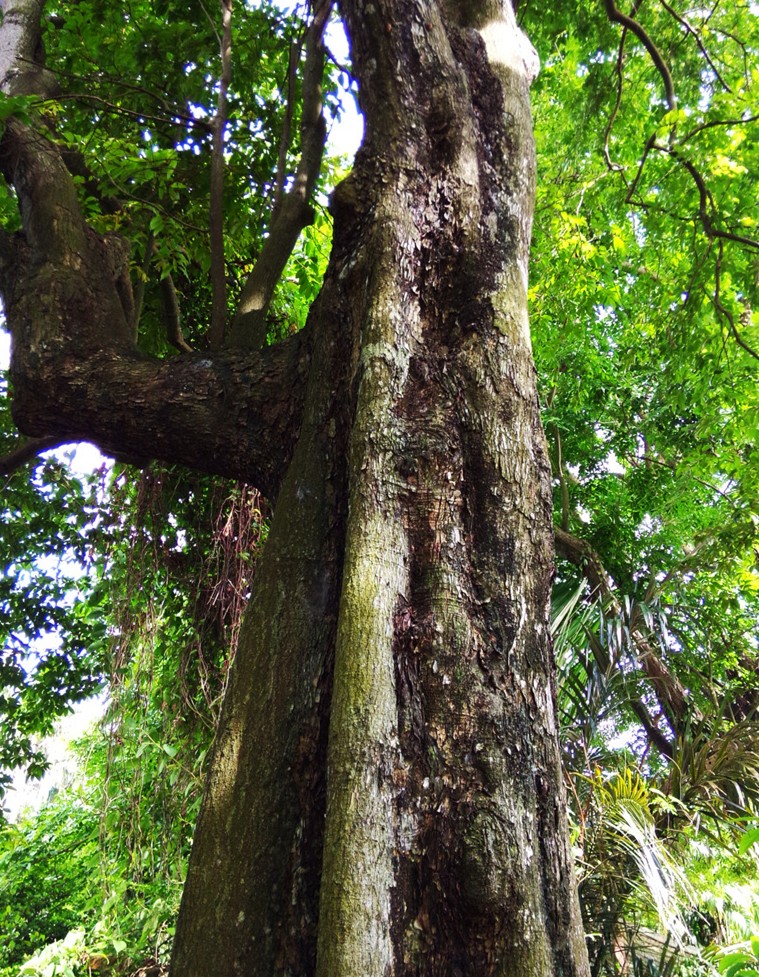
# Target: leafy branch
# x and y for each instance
(725, 312)
(705, 200)
(688, 27)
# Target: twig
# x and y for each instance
(130, 113)
(150, 205)
(687, 26)
(216, 215)
(100, 75)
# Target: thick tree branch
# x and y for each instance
(249, 325)
(236, 415)
(76, 373)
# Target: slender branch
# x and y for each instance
(100, 75)
(685, 24)
(130, 113)
(725, 312)
(615, 15)
(216, 216)
(714, 123)
(705, 199)
(25, 452)
(610, 123)
(284, 143)
(634, 185)
(295, 213)
(151, 205)
(170, 313)
(747, 61)
(653, 460)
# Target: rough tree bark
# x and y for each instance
(385, 796)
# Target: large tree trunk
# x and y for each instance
(386, 794)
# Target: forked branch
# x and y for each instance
(77, 375)
(294, 213)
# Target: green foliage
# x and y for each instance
(52, 627)
(139, 96)
(49, 867)
(644, 301)
(739, 961)
(177, 555)
(62, 958)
